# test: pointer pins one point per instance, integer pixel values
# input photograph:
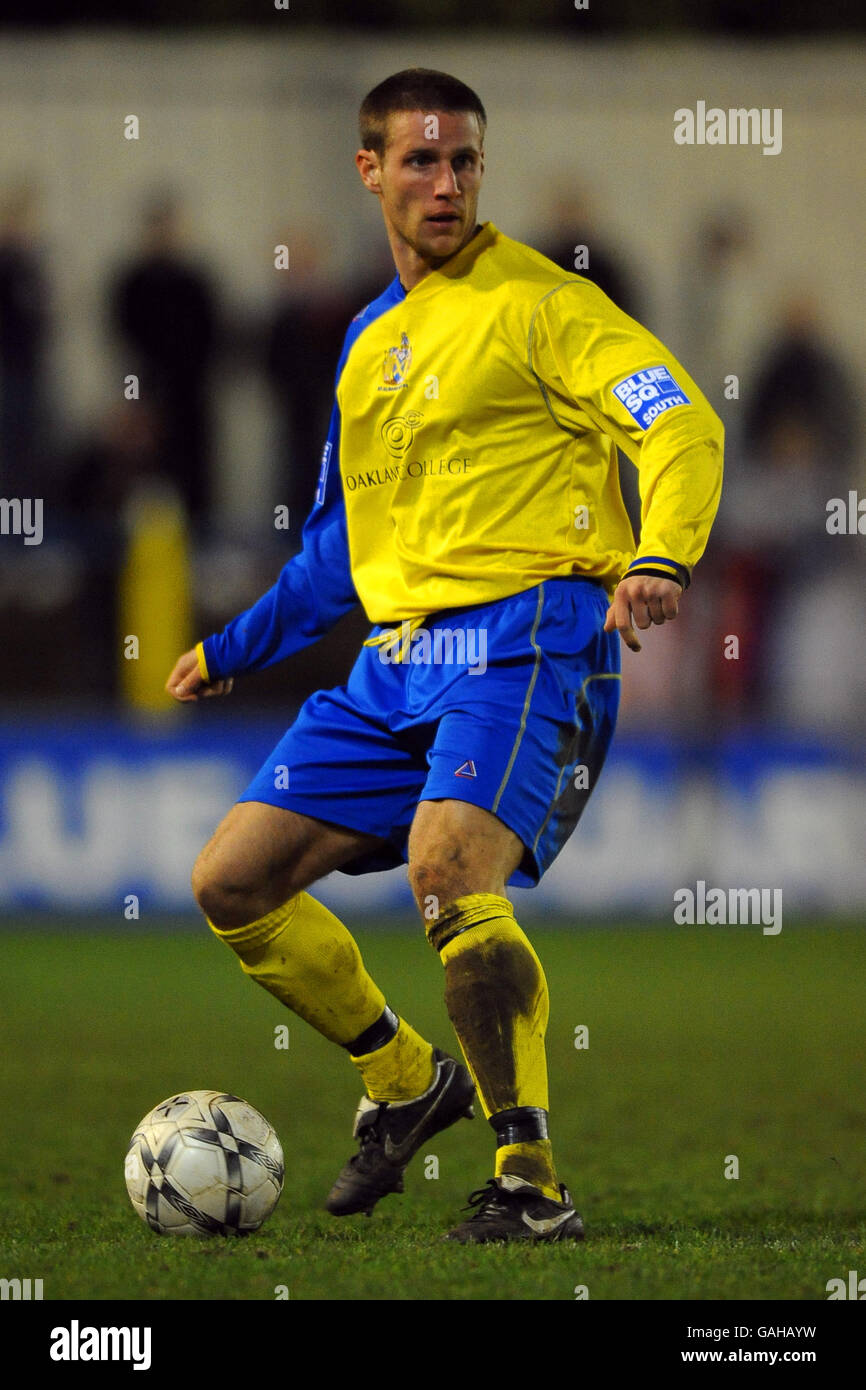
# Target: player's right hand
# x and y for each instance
(638, 601)
(185, 682)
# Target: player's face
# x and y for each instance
(428, 180)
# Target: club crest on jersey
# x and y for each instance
(466, 769)
(395, 368)
(648, 394)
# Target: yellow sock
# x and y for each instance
(303, 955)
(497, 999)
(533, 1161)
(400, 1070)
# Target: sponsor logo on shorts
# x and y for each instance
(648, 394)
(466, 769)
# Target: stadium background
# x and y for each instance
(159, 512)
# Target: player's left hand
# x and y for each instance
(644, 599)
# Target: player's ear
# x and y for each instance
(369, 169)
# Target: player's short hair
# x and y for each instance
(414, 89)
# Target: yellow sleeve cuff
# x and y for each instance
(202, 664)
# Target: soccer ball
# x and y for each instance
(204, 1163)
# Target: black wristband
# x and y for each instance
(681, 577)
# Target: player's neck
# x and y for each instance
(412, 268)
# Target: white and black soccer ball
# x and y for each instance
(204, 1163)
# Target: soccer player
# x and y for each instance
(468, 499)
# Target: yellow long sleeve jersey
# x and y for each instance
(472, 453)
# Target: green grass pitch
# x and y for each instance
(703, 1043)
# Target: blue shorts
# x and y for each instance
(508, 705)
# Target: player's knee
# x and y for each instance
(223, 899)
(437, 882)
(207, 890)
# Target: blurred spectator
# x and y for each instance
(106, 466)
(101, 474)
(718, 297)
(819, 673)
(798, 453)
(24, 323)
(303, 339)
(772, 528)
(802, 384)
(164, 308)
(570, 223)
